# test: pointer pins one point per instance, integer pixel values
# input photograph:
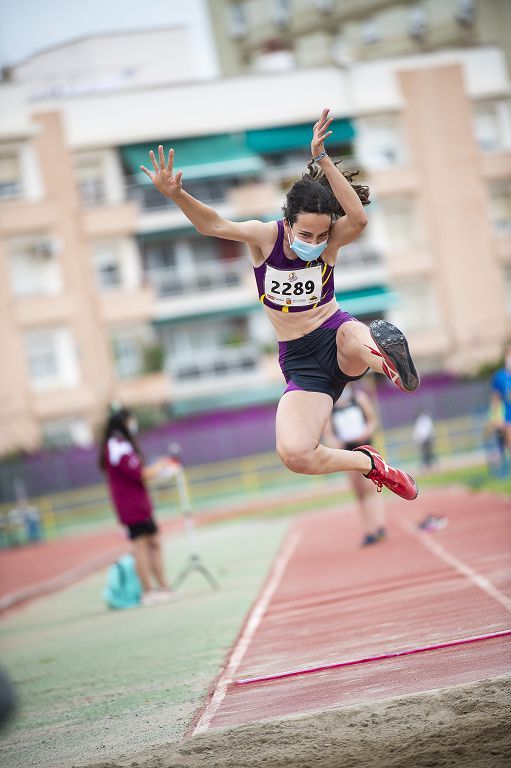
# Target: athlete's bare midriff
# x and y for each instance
(294, 325)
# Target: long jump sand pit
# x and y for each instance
(465, 726)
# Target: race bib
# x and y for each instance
(294, 288)
(349, 423)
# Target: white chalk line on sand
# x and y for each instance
(466, 570)
(253, 621)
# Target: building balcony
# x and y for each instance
(360, 263)
(147, 197)
(212, 366)
(61, 402)
(32, 311)
(108, 220)
(150, 389)
(18, 217)
(393, 181)
(502, 243)
(496, 165)
(205, 278)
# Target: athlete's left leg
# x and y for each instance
(381, 347)
(301, 420)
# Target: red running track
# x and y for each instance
(328, 600)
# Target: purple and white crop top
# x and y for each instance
(293, 285)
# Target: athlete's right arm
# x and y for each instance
(204, 218)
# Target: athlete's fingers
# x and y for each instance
(324, 114)
(161, 157)
(325, 124)
(324, 136)
(153, 160)
(170, 162)
(178, 176)
(143, 168)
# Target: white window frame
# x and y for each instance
(418, 308)
(34, 266)
(52, 359)
(499, 110)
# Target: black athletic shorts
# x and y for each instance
(142, 529)
(310, 362)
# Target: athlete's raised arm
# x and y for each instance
(348, 227)
(204, 218)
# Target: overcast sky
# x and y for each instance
(28, 26)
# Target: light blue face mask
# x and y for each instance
(306, 251)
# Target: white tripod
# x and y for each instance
(194, 562)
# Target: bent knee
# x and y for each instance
(296, 459)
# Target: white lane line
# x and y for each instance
(253, 621)
(466, 570)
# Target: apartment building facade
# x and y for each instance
(267, 35)
(109, 294)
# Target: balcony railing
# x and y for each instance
(360, 254)
(210, 192)
(209, 276)
(293, 167)
(214, 363)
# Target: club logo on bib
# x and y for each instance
(292, 277)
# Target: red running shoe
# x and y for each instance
(381, 474)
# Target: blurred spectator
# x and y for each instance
(501, 397)
(121, 458)
(32, 521)
(8, 699)
(353, 423)
(424, 437)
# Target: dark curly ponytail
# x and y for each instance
(313, 194)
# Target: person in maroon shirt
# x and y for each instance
(122, 461)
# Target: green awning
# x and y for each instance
(203, 157)
(365, 301)
(272, 140)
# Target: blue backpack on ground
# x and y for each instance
(123, 588)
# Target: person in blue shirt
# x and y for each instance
(501, 397)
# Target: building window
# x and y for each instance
(492, 125)
(175, 267)
(51, 358)
(380, 142)
(90, 178)
(400, 219)
(417, 23)
(129, 346)
(202, 351)
(107, 263)
(34, 266)
(281, 13)
(507, 283)
(500, 205)
(370, 32)
(238, 26)
(417, 309)
(10, 175)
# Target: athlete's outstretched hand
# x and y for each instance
(320, 133)
(164, 179)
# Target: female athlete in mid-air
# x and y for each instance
(321, 347)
